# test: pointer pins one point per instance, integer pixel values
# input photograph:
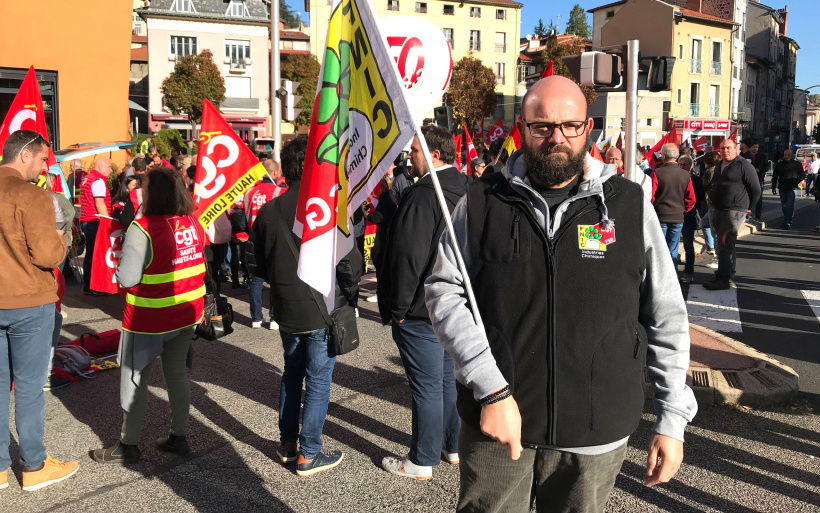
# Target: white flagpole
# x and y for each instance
(449, 222)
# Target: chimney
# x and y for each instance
(784, 13)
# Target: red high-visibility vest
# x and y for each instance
(259, 194)
(88, 211)
(170, 295)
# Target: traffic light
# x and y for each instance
(595, 69)
(660, 74)
(444, 117)
(289, 99)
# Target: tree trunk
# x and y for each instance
(194, 133)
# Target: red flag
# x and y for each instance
(107, 250)
(494, 133)
(654, 154)
(457, 141)
(716, 142)
(225, 167)
(548, 71)
(471, 153)
(26, 113)
(369, 240)
(700, 144)
(480, 133)
(595, 153)
(620, 143)
(733, 136)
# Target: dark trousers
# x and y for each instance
(759, 206)
(557, 481)
(787, 199)
(237, 260)
(429, 370)
(726, 223)
(90, 231)
(690, 225)
(218, 252)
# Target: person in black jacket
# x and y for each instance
(301, 324)
(735, 187)
(382, 217)
(411, 254)
(788, 173)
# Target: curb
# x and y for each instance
(768, 382)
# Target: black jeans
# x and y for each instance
(237, 260)
(557, 481)
(90, 231)
(726, 224)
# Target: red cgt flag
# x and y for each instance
(495, 132)
(548, 71)
(26, 113)
(107, 251)
(733, 136)
(225, 167)
(471, 153)
(700, 144)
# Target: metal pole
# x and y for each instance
(632, 62)
(275, 103)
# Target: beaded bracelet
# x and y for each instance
(496, 396)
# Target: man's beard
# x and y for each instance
(548, 168)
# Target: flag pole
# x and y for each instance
(449, 222)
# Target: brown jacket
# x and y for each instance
(29, 244)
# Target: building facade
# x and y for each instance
(236, 32)
(83, 101)
(699, 101)
(487, 29)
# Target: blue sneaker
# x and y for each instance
(320, 462)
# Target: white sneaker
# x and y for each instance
(273, 325)
(372, 299)
(406, 468)
(357, 311)
(256, 324)
(450, 457)
(713, 265)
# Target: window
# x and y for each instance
(475, 12)
(694, 99)
(183, 45)
(448, 35)
(475, 41)
(695, 60)
(717, 56)
(449, 10)
(714, 101)
(10, 82)
(499, 105)
(500, 42)
(500, 14)
(500, 68)
(392, 5)
(183, 6)
(237, 9)
(237, 87)
(610, 14)
(237, 52)
(421, 7)
(680, 52)
(680, 96)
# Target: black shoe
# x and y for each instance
(719, 283)
(285, 456)
(320, 462)
(87, 292)
(236, 285)
(786, 226)
(119, 453)
(174, 444)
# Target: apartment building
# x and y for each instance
(487, 29)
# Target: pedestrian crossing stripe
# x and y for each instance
(716, 310)
(812, 297)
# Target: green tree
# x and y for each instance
(815, 134)
(287, 15)
(578, 23)
(304, 69)
(195, 78)
(814, 98)
(540, 30)
(552, 27)
(471, 92)
(554, 52)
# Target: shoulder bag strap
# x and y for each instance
(280, 218)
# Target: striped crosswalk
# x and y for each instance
(714, 309)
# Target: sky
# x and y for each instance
(802, 27)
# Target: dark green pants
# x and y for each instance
(557, 481)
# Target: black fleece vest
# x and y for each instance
(561, 316)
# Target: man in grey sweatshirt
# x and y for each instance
(550, 360)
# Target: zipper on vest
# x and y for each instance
(637, 345)
(552, 393)
(514, 234)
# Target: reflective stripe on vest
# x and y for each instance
(190, 272)
(162, 302)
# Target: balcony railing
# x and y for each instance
(695, 65)
(694, 109)
(717, 68)
(475, 14)
(392, 6)
(500, 48)
(714, 110)
(499, 80)
(500, 15)
(475, 46)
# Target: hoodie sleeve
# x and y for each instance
(664, 317)
(453, 321)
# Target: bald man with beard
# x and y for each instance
(577, 297)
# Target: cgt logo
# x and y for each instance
(184, 235)
(214, 181)
(411, 69)
(494, 133)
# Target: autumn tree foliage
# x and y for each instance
(554, 52)
(304, 69)
(471, 92)
(195, 78)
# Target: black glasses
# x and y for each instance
(543, 129)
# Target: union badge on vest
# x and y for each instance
(593, 240)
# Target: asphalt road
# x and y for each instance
(736, 460)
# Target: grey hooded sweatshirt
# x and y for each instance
(663, 310)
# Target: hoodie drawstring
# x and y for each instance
(606, 222)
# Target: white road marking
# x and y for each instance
(714, 309)
(813, 299)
